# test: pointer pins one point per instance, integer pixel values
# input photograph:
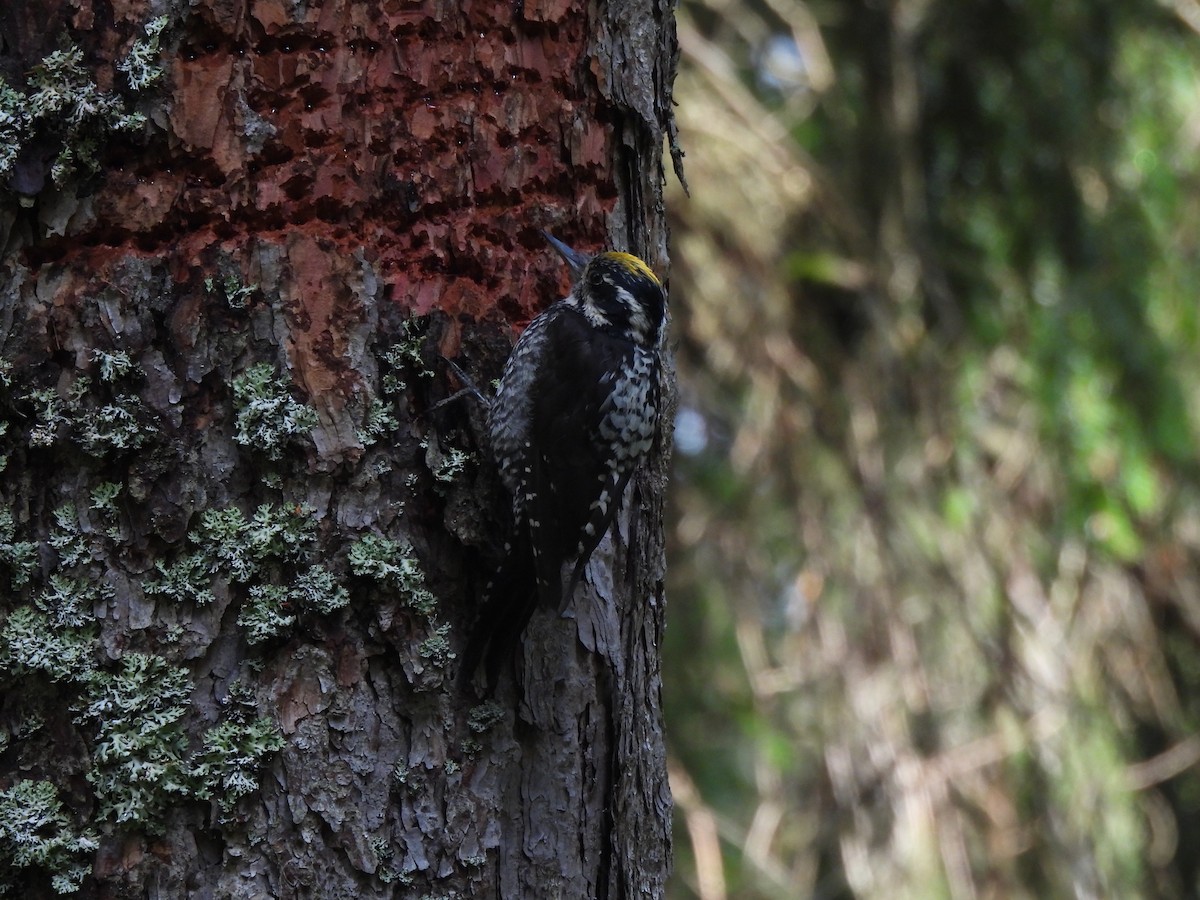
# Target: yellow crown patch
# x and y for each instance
(633, 265)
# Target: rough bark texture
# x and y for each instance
(327, 197)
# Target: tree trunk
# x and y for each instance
(242, 542)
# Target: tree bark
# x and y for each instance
(245, 542)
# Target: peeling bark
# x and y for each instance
(341, 191)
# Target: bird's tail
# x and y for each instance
(509, 601)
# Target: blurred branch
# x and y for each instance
(1187, 10)
(1166, 765)
(702, 832)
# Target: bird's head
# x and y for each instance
(617, 292)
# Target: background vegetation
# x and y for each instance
(935, 600)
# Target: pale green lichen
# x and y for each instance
(268, 418)
(113, 426)
(233, 751)
(19, 557)
(271, 608)
(394, 563)
(436, 648)
(140, 765)
(104, 495)
(484, 716)
(404, 355)
(379, 421)
(223, 537)
(113, 365)
(69, 602)
(103, 504)
(187, 578)
(265, 613)
(141, 66)
(228, 764)
(446, 466)
(119, 425)
(36, 834)
(286, 532)
(53, 410)
(318, 590)
(138, 757)
(64, 97)
(67, 538)
(268, 553)
(240, 547)
(236, 294)
(12, 126)
(63, 100)
(54, 635)
(30, 642)
(384, 854)
(372, 556)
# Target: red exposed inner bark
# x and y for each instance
(431, 139)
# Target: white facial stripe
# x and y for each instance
(594, 314)
(637, 315)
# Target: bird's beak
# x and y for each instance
(573, 258)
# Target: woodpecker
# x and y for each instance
(576, 410)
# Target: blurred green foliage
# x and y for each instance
(935, 594)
